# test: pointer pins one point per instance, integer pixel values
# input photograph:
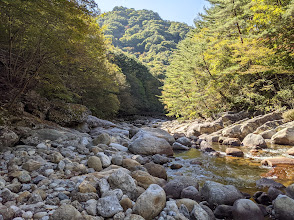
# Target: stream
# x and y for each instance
(240, 172)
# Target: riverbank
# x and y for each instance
(118, 170)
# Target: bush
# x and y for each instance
(288, 115)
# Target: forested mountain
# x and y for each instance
(144, 34)
(239, 57)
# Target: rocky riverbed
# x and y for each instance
(126, 170)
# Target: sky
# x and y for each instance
(173, 10)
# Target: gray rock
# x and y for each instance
(108, 206)
(105, 160)
(198, 213)
(151, 202)
(265, 182)
(284, 136)
(173, 188)
(206, 147)
(66, 212)
(273, 193)
(290, 191)
(7, 138)
(159, 159)
(178, 146)
(218, 194)
(224, 212)
(146, 143)
(254, 140)
(119, 147)
(94, 122)
(283, 207)
(117, 159)
(7, 195)
(244, 209)
(121, 180)
(191, 192)
(103, 138)
(157, 132)
(91, 207)
(103, 186)
(184, 141)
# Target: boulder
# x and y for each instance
(196, 129)
(156, 170)
(121, 180)
(270, 125)
(191, 192)
(244, 209)
(103, 138)
(94, 122)
(189, 203)
(283, 208)
(157, 132)
(199, 213)
(206, 147)
(254, 140)
(7, 138)
(178, 146)
(265, 183)
(119, 147)
(145, 143)
(285, 136)
(219, 194)
(275, 161)
(273, 193)
(235, 152)
(173, 188)
(290, 191)
(68, 114)
(151, 202)
(184, 141)
(66, 212)
(130, 164)
(232, 117)
(223, 212)
(108, 206)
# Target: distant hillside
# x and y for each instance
(144, 34)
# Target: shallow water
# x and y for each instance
(240, 172)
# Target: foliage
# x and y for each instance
(240, 57)
(288, 115)
(144, 34)
(58, 48)
(139, 94)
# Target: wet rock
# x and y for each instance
(108, 206)
(265, 182)
(121, 180)
(273, 193)
(224, 212)
(285, 136)
(263, 199)
(145, 143)
(235, 152)
(206, 147)
(283, 208)
(173, 188)
(191, 192)
(178, 146)
(176, 166)
(159, 159)
(232, 142)
(103, 138)
(217, 193)
(254, 140)
(66, 212)
(272, 162)
(244, 209)
(156, 170)
(290, 191)
(151, 202)
(8, 138)
(184, 141)
(95, 163)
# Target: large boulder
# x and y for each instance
(66, 212)
(157, 132)
(121, 180)
(218, 194)
(249, 126)
(196, 129)
(68, 114)
(283, 207)
(232, 117)
(254, 140)
(244, 209)
(146, 143)
(151, 202)
(7, 138)
(285, 136)
(94, 122)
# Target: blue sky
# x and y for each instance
(174, 10)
